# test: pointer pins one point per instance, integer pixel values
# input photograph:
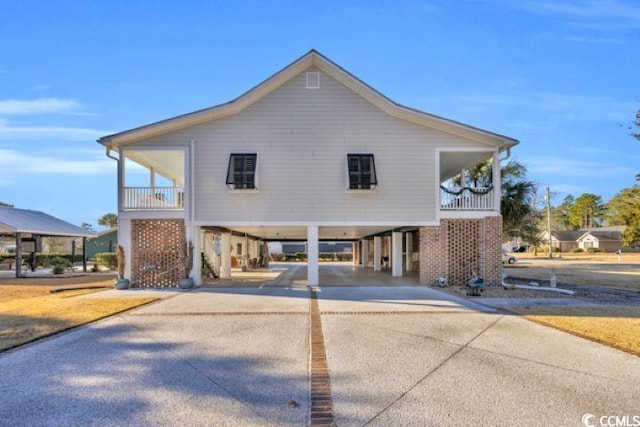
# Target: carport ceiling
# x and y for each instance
(300, 232)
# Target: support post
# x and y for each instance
(377, 253)
(313, 273)
(354, 250)
(496, 181)
(73, 253)
(225, 261)
(18, 255)
(396, 254)
(409, 251)
(84, 254)
(196, 271)
(364, 254)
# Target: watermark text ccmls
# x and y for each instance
(590, 420)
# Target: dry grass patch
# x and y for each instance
(31, 312)
(616, 326)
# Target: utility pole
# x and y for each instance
(548, 198)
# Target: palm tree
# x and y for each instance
(108, 220)
(519, 215)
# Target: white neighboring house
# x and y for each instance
(311, 154)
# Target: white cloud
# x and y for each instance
(38, 106)
(12, 133)
(15, 164)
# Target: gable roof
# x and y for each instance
(311, 58)
(603, 235)
(567, 236)
(13, 220)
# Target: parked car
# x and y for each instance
(509, 259)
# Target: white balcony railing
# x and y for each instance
(153, 198)
(467, 199)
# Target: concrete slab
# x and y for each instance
(480, 388)
(134, 293)
(390, 299)
(162, 370)
(232, 300)
(404, 355)
(539, 302)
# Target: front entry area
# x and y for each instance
(241, 255)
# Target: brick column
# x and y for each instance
(433, 254)
(493, 250)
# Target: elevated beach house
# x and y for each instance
(310, 154)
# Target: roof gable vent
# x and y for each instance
(313, 80)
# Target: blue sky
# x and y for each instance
(560, 76)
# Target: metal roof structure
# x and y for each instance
(14, 221)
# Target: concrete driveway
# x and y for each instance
(241, 356)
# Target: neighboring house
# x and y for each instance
(562, 240)
(608, 239)
(105, 241)
(311, 154)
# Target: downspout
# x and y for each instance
(508, 151)
(109, 153)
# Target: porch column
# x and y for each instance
(313, 274)
(364, 254)
(497, 181)
(377, 253)
(225, 261)
(18, 255)
(396, 254)
(409, 251)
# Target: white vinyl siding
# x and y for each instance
(302, 138)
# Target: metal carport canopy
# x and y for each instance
(13, 220)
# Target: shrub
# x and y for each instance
(277, 256)
(325, 257)
(107, 259)
(60, 264)
(345, 256)
(576, 249)
(593, 250)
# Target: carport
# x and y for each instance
(28, 227)
(374, 246)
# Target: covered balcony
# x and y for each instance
(152, 179)
(469, 182)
